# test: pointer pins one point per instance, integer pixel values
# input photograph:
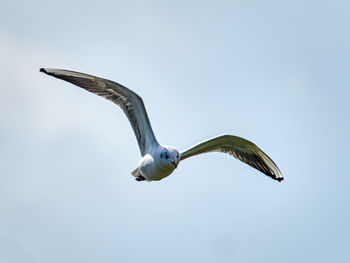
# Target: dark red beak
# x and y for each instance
(174, 163)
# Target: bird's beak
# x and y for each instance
(174, 163)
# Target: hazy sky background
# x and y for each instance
(274, 72)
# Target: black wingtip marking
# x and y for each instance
(43, 70)
(280, 179)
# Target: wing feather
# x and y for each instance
(239, 148)
(126, 99)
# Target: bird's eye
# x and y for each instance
(177, 156)
(166, 156)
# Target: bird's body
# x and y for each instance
(154, 168)
(160, 161)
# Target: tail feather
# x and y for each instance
(136, 173)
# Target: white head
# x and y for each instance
(169, 156)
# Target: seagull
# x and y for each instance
(159, 161)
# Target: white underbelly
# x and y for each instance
(154, 174)
(152, 170)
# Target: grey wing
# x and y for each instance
(240, 148)
(129, 101)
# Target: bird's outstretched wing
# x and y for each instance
(240, 148)
(129, 101)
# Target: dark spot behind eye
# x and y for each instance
(161, 155)
(166, 156)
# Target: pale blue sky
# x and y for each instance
(274, 72)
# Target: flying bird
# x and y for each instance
(159, 161)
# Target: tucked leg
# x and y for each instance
(140, 178)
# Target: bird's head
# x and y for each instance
(169, 156)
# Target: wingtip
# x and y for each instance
(43, 70)
(280, 179)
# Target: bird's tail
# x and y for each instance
(136, 173)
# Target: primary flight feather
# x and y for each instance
(159, 161)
